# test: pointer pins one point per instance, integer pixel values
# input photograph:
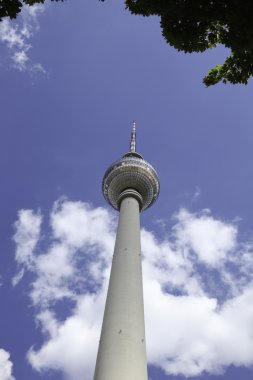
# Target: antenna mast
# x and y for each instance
(133, 138)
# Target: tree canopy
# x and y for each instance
(10, 8)
(193, 26)
(198, 25)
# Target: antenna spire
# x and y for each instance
(133, 138)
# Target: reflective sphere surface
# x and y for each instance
(131, 172)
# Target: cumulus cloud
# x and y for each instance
(211, 240)
(72, 344)
(5, 365)
(81, 237)
(198, 290)
(17, 35)
(189, 335)
(26, 238)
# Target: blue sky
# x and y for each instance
(73, 77)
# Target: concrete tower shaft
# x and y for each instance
(130, 185)
(122, 348)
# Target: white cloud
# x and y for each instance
(198, 291)
(197, 194)
(190, 334)
(26, 238)
(78, 225)
(20, 59)
(210, 239)
(5, 365)
(163, 258)
(80, 235)
(17, 35)
(72, 344)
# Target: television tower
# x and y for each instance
(130, 185)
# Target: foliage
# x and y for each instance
(10, 8)
(197, 25)
(193, 26)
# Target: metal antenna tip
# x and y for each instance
(133, 138)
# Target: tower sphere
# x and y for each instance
(131, 174)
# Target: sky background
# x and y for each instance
(73, 77)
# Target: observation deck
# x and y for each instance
(131, 176)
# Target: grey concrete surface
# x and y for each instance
(122, 348)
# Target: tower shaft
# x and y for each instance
(122, 348)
